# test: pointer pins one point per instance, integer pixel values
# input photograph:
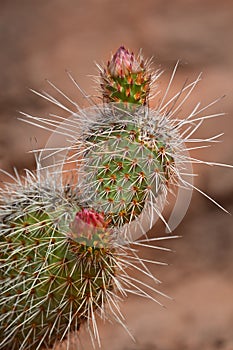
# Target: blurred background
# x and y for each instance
(41, 40)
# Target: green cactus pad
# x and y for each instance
(122, 167)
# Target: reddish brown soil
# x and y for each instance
(41, 39)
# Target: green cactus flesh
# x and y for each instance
(122, 168)
(132, 88)
(49, 282)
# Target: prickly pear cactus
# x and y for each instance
(59, 253)
(57, 266)
(65, 248)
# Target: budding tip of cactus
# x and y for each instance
(124, 63)
(126, 78)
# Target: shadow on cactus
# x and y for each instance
(70, 233)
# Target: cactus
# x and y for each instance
(57, 265)
(65, 248)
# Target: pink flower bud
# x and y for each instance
(87, 223)
(124, 63)
(90, 217)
